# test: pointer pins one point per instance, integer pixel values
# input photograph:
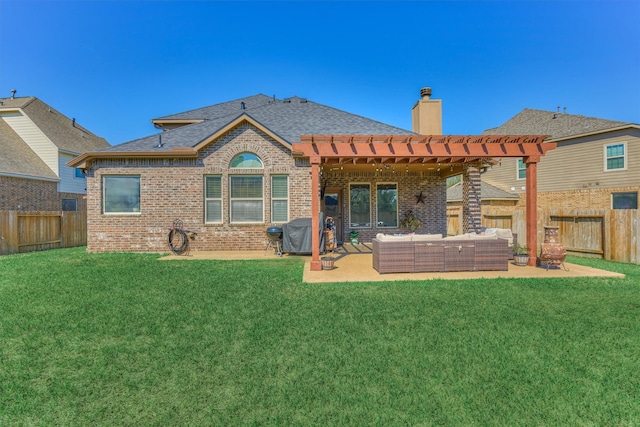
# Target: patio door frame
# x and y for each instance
(338, 219)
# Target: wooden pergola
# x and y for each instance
(422, 149)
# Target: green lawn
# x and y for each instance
(125, 339)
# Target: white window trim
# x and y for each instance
(624, 156)
(378, 204)
(213, 198)
(104, 187)
(261, 221)
(370, 213)
(518, 169)
(281, 198)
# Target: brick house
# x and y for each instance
(596, 164)
(36, 142)
(231, 170)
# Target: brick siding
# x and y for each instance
(174, 189)
(34, 195)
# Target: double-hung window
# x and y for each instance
(246, 191)
(121, 194)
(279, 198)
(522, 169)
(213, 199)
(615, 157)
(387, 205)
(359, 205)
(246, 199)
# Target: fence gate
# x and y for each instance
(581, 233)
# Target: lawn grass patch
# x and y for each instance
(121, 339)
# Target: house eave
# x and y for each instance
(32, 177)
(597, 132)
(82, 161)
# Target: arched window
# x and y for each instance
(246, 161)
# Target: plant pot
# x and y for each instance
(354, 240)
(521, 260)
(328, 263)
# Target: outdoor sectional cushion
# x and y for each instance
(407, 237)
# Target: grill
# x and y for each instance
(274, 237)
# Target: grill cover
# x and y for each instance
(296, 236)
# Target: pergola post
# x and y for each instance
(316, 264)
(532, 207)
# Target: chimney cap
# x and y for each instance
(425, 92)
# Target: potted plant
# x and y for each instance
(353, 236)
(410, 221)
(520, 255)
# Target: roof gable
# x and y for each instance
(18, 158)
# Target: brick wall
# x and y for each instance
(28, 194)
(174, 188)
(432, 213)
(593, 198)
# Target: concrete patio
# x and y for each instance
(353, 263)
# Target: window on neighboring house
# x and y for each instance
(387, 205)
(213, 199)
(79, 173)
(627, 200)
(121, 194)
(246, 202)
(615, 157)
(70, 205)
(522, 169)
(360, 205)
(279, 198)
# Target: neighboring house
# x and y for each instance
(596, 164)
(231, 170)
(37, 142)
(489, 195)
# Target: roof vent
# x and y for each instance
(425, 92)
(303, 100)
(243, 106)
(288, 100)
(13, 94)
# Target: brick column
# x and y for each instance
(471, 200)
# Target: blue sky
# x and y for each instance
(115, 65)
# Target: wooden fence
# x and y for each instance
(612, 234)
(35, 231)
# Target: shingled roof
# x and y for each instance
(487, 192)
(64, 132)
(288, 119)
(67, 135)
(556, 124)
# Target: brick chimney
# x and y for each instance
(426, 114)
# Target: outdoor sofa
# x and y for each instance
(433, 253)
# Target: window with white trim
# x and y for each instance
(387, 205)
(246, 199)
(522, 169)
(121, 194)
(360, 205)
(213, 199)
(615, 157)
(279, 198)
